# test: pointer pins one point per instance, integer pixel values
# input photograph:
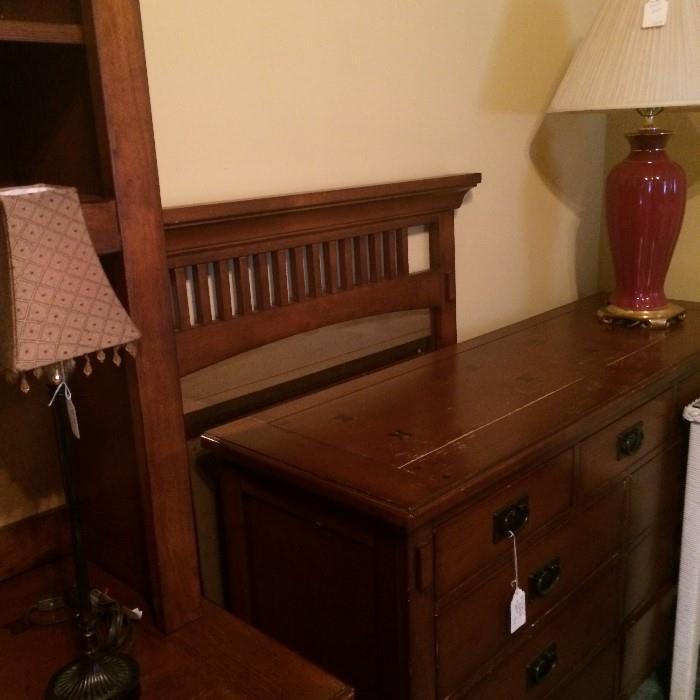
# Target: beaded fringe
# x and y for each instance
(14, 376)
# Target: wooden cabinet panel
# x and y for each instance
(652, 562)
(688, 390)
(467, 542)
(476, 626)
(656, 490)
(307, 574)
(647, 641)
(598, 680)
(589, 620)
(611, 451)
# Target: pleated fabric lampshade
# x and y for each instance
(56, 302)
(622, 65)
(643, 55)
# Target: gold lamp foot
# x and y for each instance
(655, 319)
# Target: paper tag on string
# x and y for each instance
(62, 389)
(655, 13)
(518, 616)
(72, 416)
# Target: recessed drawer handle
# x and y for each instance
(545, 579)
(630, 441)
(510, 519)
(541, 668)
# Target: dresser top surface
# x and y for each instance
(407, 441)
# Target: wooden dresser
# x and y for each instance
(366, 524)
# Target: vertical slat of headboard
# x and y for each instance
(442, 256)
(315, 274)
(201, 294)
(330, 262)
(345, 257)
(281, 281)
(223, 289)
(179, 277)
(402, 251)
(297, 260)
(361, 259)
(262, 282)
(243, 295)
(390, 254)
(376, 272)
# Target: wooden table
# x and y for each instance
(216, 656)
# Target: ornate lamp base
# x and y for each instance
(96, 676)
(655, 318)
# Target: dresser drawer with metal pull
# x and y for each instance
(475, 626)
(475, 536)
(587, 622)
(613, 449)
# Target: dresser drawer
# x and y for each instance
(609, 452)
(589, 620)
(475, 627)
(656, 490)
(468, 541)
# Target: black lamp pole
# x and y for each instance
(97, 674)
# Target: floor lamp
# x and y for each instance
(57, 308)
(643, 55)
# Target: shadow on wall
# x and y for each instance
(30, 480)
(528, 59)
(568, 152)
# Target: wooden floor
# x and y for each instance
(214, 657)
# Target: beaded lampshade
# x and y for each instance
(56, 303)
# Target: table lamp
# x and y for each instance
(56, 308)
(643, 55)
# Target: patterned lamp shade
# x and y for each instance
(56, 303)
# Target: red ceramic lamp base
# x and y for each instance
(645, 202)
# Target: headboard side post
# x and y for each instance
(442, 257)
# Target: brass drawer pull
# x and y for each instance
(510, 519)
(541, 668)
(545, 579)
(630, 441)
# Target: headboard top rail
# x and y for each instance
(175, 217)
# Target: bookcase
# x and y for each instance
(76, 112)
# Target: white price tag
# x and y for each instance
(517, 610)
(655, 13)
(72, 416)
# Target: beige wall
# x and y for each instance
(263, 97)
(683, 281)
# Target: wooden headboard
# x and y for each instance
(246, 273)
